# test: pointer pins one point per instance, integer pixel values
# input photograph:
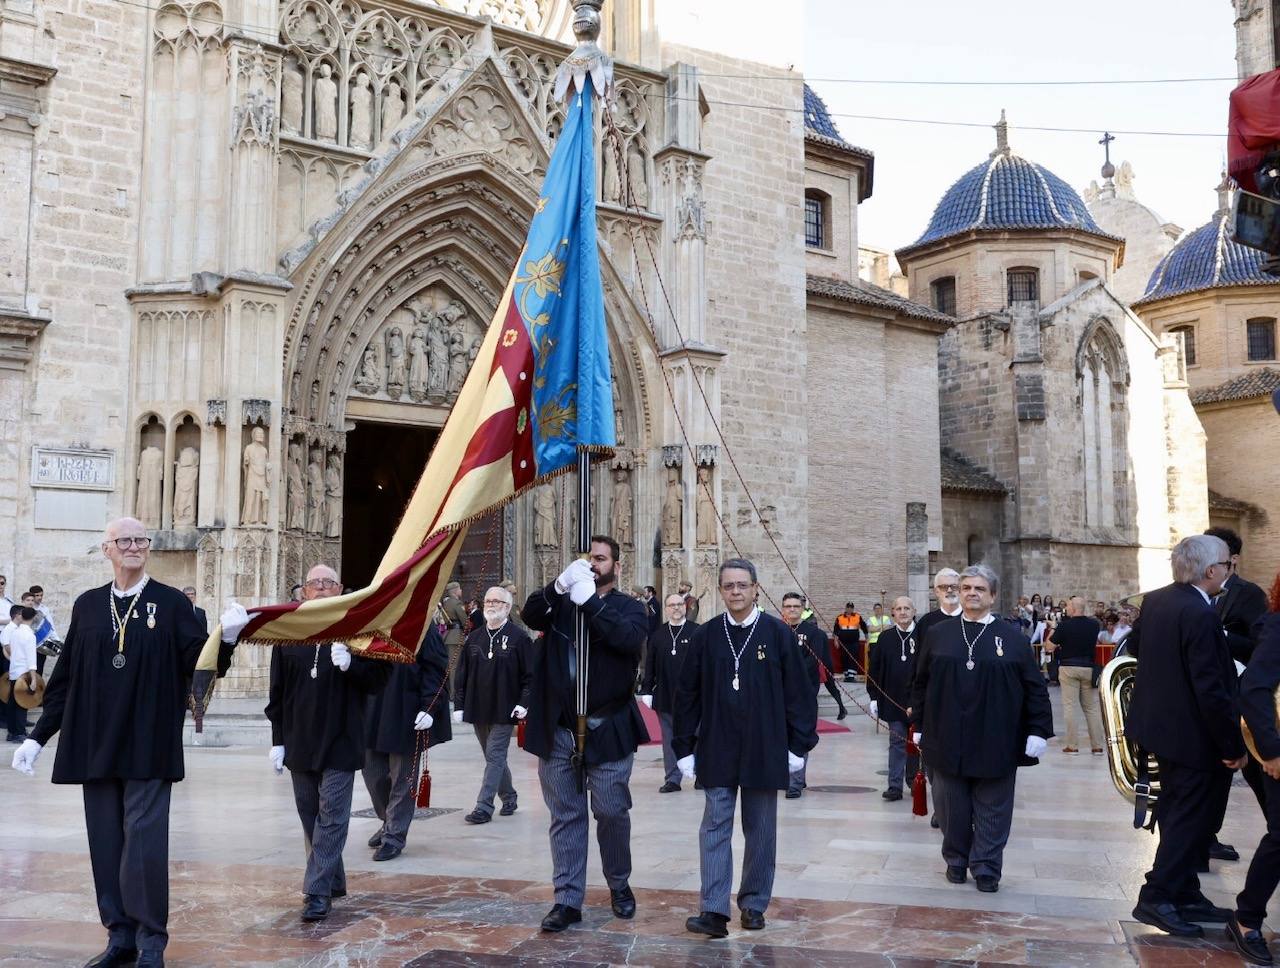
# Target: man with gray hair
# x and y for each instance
(946, 588)
(982, 710)
(1184, 712)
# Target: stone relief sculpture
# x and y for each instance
(620, 437)
(186, 483)
(457, 361)
(637, 174)
(544, 517)
(397, 373)
(325, 105)
(473, 351)
(392, 107)
(707, 524)
(361, 131)
(296, 496)
(333, 499)
(257, 478)
(418, 364)
(621, 507)
(146, 506)
(315, 492)
(610, 183)
(438, 359)
(291, 98)
(673, 510)
(368, 377)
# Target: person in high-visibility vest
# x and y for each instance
(876, 624)
(849, 631)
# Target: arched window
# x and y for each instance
(1188, 334)
(817, 219)
(942, 294)
(1024, 285)
(1103, 373)
(973, 550)
(1261, 337)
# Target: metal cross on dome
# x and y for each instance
(1108, 169)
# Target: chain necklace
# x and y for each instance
(970, 664)
(674, 632)
(737, 656)
(119, 624)
(315, 662)
(493, 635)
(902, 643)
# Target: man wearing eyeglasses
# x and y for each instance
(315, 706)
(1185, 713)
(946, 588)
(118, 696)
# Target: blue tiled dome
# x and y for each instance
(816, 117)
(1007, 192)
(1207, 259)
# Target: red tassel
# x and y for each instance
(919, 802)
(520, 733)
(912, 748)
(424, 789)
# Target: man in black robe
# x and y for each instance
(981, 706)
(118, 696)
(662, 661)
(617, 626)
(494, 677)
(946, 588)
(746, 716)
(890, 671)
(815, 656)
(316, 709)
(409, 711)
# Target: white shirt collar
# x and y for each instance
(749, 620)
(680, 624)
(959, 611)
(985, 620)
(909, 629)
(133, 590)
(1203, 594)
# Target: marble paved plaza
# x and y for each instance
(859, 883)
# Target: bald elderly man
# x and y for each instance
(118, 695)
(316, 706)
(890, 669)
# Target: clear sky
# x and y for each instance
(999, 40)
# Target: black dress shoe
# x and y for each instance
(560, 917)
(893, 793)
(150, 959)
(507, 809)
(623, 902)
(793, 794)
(387, 852)
(1219, 851)
(933, 822)
(478, 816)
(843, 713)
(1167, 919)
(669, 787)
(338, 892)
(112, 957)
(316, 908)
(1250, 943)
(987, 884)
(956, 874)
(1204, 910)
(709, 923)
(376, 840)
(752, 920)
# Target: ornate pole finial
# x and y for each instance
(1002, 136)
(587, 58)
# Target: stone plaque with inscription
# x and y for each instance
(87, 470)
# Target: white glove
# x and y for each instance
(582, 591)
(647, 700)
(340, 655)
(25, 756)
(519, 712)
(1036, 745)
(875, 709)
(685, 766)
(916, 738)
(579, 570)
(277, 758)
(794, 762)
(423, 721)
(457, 715)
(233, 621)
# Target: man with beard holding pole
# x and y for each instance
(613, 728)
(982, 709)
(493, 683)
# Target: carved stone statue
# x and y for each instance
(437, 359)
(673, 511)
(150, 486)
(638, 175)
(296, 498)
(333, 499)
(325, 106)
(457, 361)
(708, 526)
(361, 133)
(1124, 180)
(368, 377)
(621, 508)
(544, 517)
(257, 478)
(418, 363)
(473, 351)
(315, 492)
(392, 107)
(610, 183)
(397, 372)
(619, 436)
(291, 98)
(186, 483)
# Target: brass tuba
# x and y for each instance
(1116, 686)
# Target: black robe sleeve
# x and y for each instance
(1037, 710)
(1257, 687)
(524, 655)
(920, 684)
(875, 670)
(539, 612)
(55, 690)
(687, 715)
(433, 664)
(1251, 607)
(367, 675)
(801, 703)
(460, 675)
(275, 700)
(649, 680)
(619, 631)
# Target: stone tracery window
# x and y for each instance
(1103, 374)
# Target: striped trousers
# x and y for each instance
(389, 779)
(609, 787)
(324, 807)
(715, 844)
(495, 740)
(975, 816)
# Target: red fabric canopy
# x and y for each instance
(1253, 126)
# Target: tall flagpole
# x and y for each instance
(582, 638)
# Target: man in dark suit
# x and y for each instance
(1184, 712)
(1239, 605)
(200, 615)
